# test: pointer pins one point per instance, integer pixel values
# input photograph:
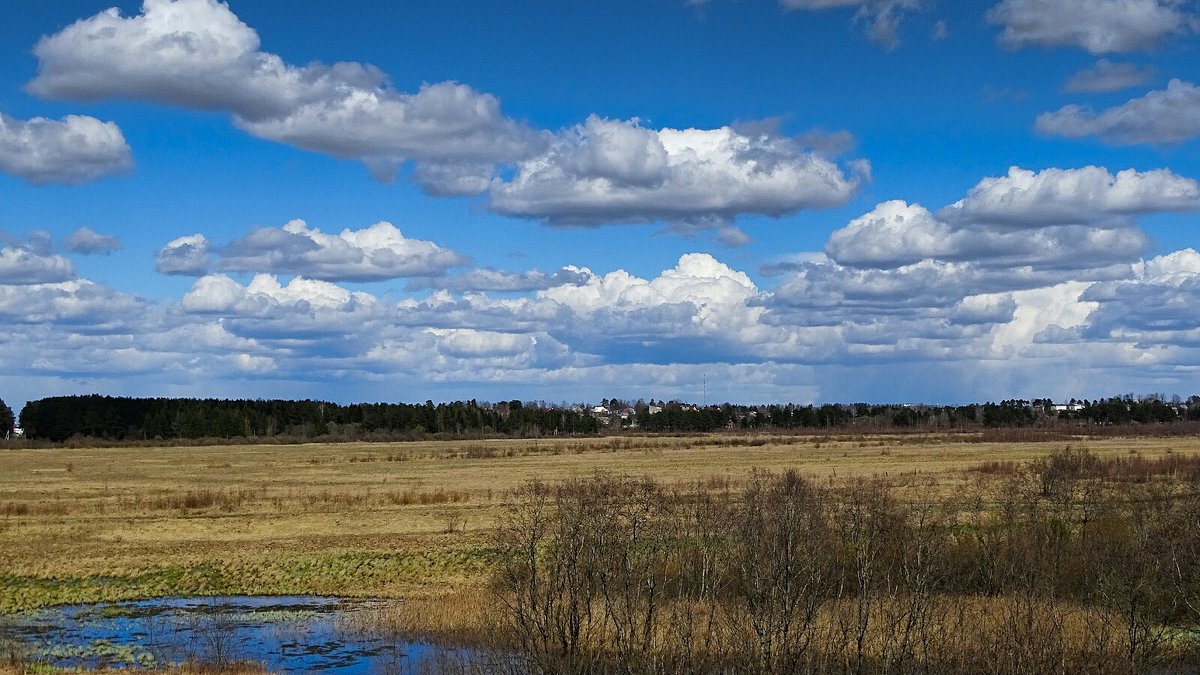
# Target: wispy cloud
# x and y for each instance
(1099, 26)
(1161, 117)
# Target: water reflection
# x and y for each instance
(298, 634)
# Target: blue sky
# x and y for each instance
(806, 200)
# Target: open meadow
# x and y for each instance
(392, 520)
(418, 521)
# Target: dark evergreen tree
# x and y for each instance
(6, 418)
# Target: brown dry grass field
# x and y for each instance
(385, 520)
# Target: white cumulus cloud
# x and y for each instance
(220, 294)
(80, 303)
(199, 54)
(616, 171)
(21, 265)
(1000, 272)
(1154, 306)
(1037, 310)
(373, 253)
(894, 232)
(75, 149)
(304, 317)
(188, 255)
(255, 364)
(1087, 195)
(469, 343)
(698, 278)
(1052, 220)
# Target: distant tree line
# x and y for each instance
(682, 417)
(118, 418)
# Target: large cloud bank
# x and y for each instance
(1037, 277)
(198, 54)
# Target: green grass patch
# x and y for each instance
(348, 573)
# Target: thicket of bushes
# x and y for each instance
(1069, 565)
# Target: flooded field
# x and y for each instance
(297, 634)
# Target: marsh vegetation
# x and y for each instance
(758, 553)
(1070, 564)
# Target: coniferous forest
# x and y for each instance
(57, 419)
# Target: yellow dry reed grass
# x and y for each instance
(385, 519)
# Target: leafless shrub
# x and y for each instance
(782, 567)
(1081, 571)
(455, 522)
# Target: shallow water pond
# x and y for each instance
(297, 634)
